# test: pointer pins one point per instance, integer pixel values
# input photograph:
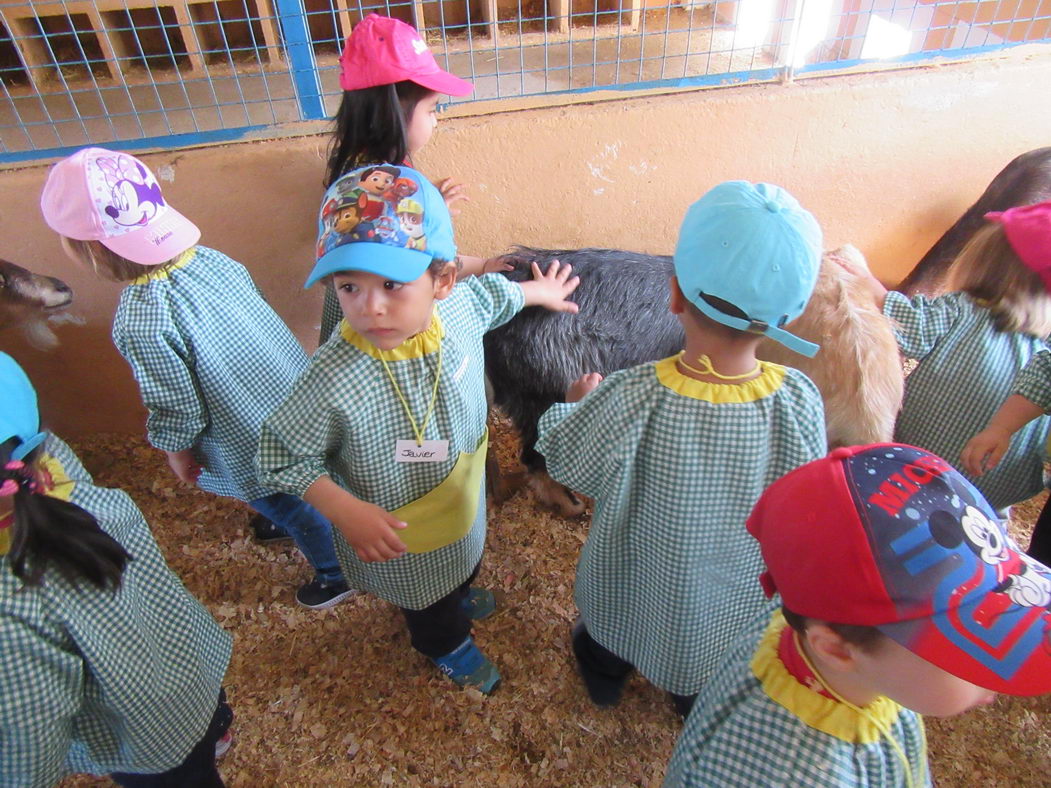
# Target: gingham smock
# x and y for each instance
(212, 359)
(751, 726)
(97, 682)
(343, 419)
(1034, 381)
(965, 372)
(669, 575)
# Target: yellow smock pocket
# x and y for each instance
(445, 514)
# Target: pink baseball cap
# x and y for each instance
(893, 537)
(113, 198)
(1028, 230)
(382, 51)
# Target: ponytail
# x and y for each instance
(50, 532)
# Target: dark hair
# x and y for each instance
(51, 532)
(866, 638)
(370, 127)
(437, 265)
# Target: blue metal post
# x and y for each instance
(293, 19)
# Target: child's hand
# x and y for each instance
(185, 465)
(582, 386)
(496, 265)
(452, 192)
(370, 530)
(985, 449)
(550, 290)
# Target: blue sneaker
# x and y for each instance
(479, 603)
(469, 667)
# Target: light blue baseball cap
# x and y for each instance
(750, 245)
(384, 219)
(19, 416)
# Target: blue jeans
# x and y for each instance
(312, 532)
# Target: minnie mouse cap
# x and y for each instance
(383, 51)
(893, 537)
(113, 198)
(1028, 230)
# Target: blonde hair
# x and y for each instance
(988, 270)
(107, 264)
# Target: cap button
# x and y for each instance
(773, 206)
(841, 453)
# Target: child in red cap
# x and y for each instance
(970, 344)
(901, 594)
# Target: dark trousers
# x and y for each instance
(198, 769)
(1040, 543)
(598, 660)
(439, 628)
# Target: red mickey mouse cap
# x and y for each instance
(891, 536)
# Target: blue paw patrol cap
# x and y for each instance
(19, 416)
(384, 219)
(750, 245)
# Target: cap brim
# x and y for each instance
(443, 82)
(158, 242)
(790, 341)
(390, 262)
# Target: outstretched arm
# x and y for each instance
(551, 289)
(985, 449)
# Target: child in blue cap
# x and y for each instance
(385, 432)
(676, 452)
(108, 666)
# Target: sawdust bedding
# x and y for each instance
(338, 697)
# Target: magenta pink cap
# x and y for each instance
(113, 198)
(382, 51)
(1028, 230)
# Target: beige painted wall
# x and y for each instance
(885, 161)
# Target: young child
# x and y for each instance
(676, 452)
(391, 85)
(108, 665)
(211, 358)
(385, 431)
(972, 342)
(903, 595)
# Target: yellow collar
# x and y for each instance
(162, 271)
(825, 714)
(416, 346)
(769, 381)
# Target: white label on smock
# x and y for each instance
(430, 451)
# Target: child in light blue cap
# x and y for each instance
(676, 452)
(385, 431)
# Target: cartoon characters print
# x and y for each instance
(373, 204)
(131, 195)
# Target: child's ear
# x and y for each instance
(676, 300)
(444, 281)
(830, 648)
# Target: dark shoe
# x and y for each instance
(469, 667)
(479, 603)
(604, 689)
(266, 532)
(317, 595)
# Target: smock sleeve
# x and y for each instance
(497, 299)
(920, 322)
(580, 440)
(300, 434)
(42, 683)
(162, 363)
(1034, 380)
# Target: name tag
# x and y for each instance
(430, 451)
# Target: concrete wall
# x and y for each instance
(885, 161)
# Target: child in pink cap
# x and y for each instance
(211, 358)
(391, 85)
(970, 344)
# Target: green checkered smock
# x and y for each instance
(343, 418)
(739, 734)
(965, 372)
(99, 682)
(212, 359)
(669, 575)
(1034, 381)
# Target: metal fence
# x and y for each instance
(165, 73)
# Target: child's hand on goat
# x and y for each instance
(185, 465)
(550, 289)
(583, 386)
